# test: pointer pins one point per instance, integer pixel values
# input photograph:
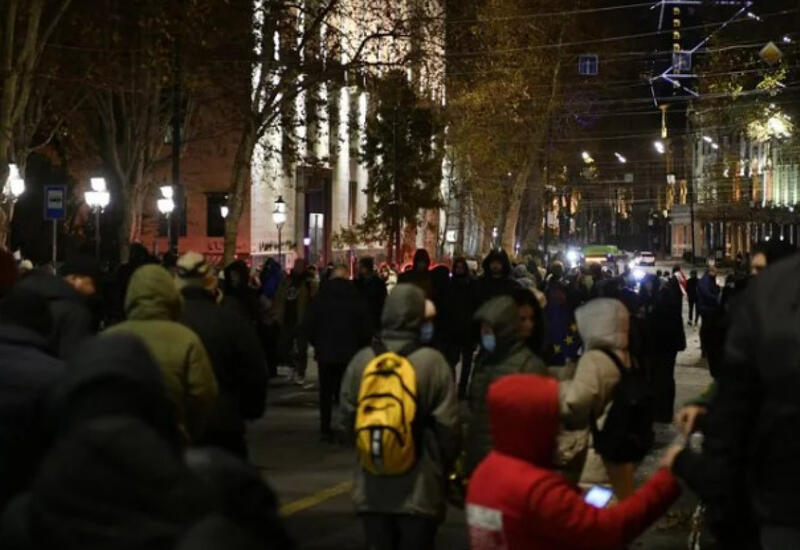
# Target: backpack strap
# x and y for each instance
(378, 347)
(622, 371)
(616, 360)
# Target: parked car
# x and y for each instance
(645, 259)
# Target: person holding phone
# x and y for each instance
(517, 500)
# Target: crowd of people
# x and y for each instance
(124, 400)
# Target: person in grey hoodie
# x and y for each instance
(603, 325)
(502, 353)
(404, 511)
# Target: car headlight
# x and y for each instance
(572, 256)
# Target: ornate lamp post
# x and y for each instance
(97, 199)
(279, 218)
(166, 205)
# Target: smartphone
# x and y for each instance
(598, 496)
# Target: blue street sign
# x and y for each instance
(682, 62)
(588, 64)
(55, 202)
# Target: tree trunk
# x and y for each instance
(536, 198)
(240, 185)
(514, 203)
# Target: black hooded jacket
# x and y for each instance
(27, 373)
(73, 321)
(338, 323)
(237, 358)
(421, 279)
(488, 287)
(114, 375)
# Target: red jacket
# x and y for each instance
(515, 501)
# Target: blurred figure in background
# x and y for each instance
(234, 350)
(292, 300)
(372, 289)
(338, 325)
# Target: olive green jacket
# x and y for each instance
(152, 307)
(510, 356)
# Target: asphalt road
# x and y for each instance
(312, 479)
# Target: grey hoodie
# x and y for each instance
(421, 490)
(603, 324)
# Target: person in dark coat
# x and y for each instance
(665, 338)
(338, 325)
(496, 280)
(270, 277)
(691, 296)
(532, 324)
(8, 272)
(372, 289)
(460, 340)
(117, 476)
(562, 332)
(27, 373)
(419, 274)
(238, 295)
(235, 353)
(68, 298)
(440, 279)
(751, 448)
(708, 298)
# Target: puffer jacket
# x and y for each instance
(511, 356)
(516, 501)
(153, 307)
(421, 490)
(603, 325)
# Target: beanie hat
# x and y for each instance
(193, 269)
(82, 265)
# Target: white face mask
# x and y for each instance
(426, 332)
(488, 342)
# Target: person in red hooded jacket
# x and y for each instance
(516, 500)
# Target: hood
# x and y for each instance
(501, 315)
(237, 277)
(49, 286)
(463, 262)
(113, 483)
(23, 307)
(521, 272)
(114, 375)
(603, 323)
(497, 255)
(523, 415)
(152, 295)
(404, 309)
(421, 255)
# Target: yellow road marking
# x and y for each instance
(315, 499)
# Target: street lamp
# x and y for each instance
(14, 186)
(97, 199)
(659, 145)
(224, 211)
(166, 205)
(279, 218)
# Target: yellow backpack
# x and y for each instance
(387, 406)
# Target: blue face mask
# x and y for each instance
(488, 342)
(426, 332)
